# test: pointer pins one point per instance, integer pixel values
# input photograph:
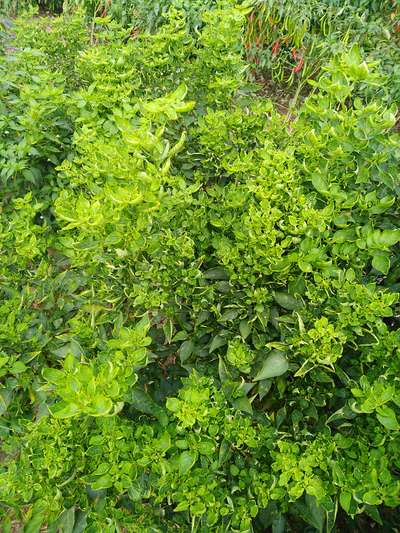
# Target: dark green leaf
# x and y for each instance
(287, 301)
(274, 365)
(217, 273)
(185, 351)
(186, 461)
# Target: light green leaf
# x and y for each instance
(35, 523)
(173, 404)
(387, 417)
(18, 367)
(64, 409)
(319, 183)
(3, 360)
(345, 500)
(101, 406)
(182, 506)
(102, 469)
(381, 263)
(53, 375)
(371, 498)
(103, 482)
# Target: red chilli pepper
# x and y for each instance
(294, 54)
(275, 47)
(299, 65)
(106, 6)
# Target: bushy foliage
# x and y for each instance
(199, 296)
(290, 45)
(144, 14)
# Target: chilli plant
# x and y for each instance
(199, 313)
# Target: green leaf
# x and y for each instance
(180, 92)
(371, 498)
(381, 263)
(264, 386)
(198, 508)
(163, 443)
(6, 396)
(287, 301)
(274, 365)
(345, 500)
(69, 362)
(35, 523)
(279, 524)
(224, 452)
(180, 336)
(143, 402)
(102, 469)
(243, 404)
(315, 515)
(53, 375)
(103, 482)
(182, 506)
(223, 372)
(228, 315)
(168, 329)
(217, 273)
(390, 237)
(216, 343)
(244, 328)
(373, 512)
(173, 404)
(186, 350)
(387, 418)
(101, 406)
(67, 520)
(18, 367)
(186, 460)
(135, 492)
(80, 522)
(64, 410)
(319, 183)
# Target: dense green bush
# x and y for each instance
(143, 14)
(199, 296)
